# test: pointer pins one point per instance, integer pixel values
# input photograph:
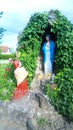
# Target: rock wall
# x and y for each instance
(32, 112)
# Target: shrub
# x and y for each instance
(62, 96)
(63, 30)
(7, 56)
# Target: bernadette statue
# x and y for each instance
(22, 84)
(48, 50)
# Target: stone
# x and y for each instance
(31, 124)
(43, 103)
(39, 114)
(23, 114)
(35, 83)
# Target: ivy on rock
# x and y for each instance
(29, 44)
(30, 40)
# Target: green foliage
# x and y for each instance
(7, 81)
(41, 121)
(9, 71)
(62, 96)
(28, 57)
(7, 56)
(30, 42)
(1, 29)
(63, 30)
(34, 29)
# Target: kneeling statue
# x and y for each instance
(22, 84)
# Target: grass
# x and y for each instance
(41, 121)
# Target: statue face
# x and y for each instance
(47, 39)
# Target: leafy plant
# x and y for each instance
(29, 42)
(63, 30)
(1, 29)
(62, 96)
(28, 58)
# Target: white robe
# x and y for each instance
(20, 74)
(48, 64)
